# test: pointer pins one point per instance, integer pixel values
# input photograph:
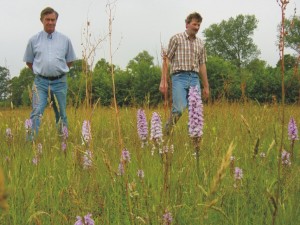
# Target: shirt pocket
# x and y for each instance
(60, 51)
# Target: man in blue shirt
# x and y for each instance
(49, 54)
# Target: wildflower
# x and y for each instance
(166, 149)
(232, 158)
(79, 221)
(142, 125)
(285, 158)
(28, 125)
(35, 160)
(65, 132)
(156, 128)
(121, 169)
(39, 149)
(140, 174)
(292, 130)
(172, 149)
(262, 155)
(238, 173)
(63, 146)
(125, 155)
(87, 220)
(196, 120)
(8, 133)
(86, 131)
(87, 159)
(132, 190)
(167, 217)
(153, 150)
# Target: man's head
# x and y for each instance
(48, 18)
(192, 23)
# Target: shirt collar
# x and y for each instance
(50, 36)
(187, 36)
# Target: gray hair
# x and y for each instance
(46, 11)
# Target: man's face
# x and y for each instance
(49, 22)
(193, 27)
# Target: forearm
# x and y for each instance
(69, 64)
(163, 86)
(29, 65)
(203, 74)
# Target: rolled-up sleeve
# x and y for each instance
(172, 47)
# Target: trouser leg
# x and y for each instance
(59, 90)
(39, 102)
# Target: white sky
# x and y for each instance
(138, 25)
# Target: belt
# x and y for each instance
(52, 78)
(184, 71)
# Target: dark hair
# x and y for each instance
(46, 11)
(192, 16)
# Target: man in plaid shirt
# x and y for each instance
(186, 53)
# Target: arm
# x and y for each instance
(70, 55)
(203, 74)
(163, 86)
(29, 65)
(167, 56)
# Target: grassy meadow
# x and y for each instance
(57, 188)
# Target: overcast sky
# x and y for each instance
(138, 25)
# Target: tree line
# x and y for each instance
(234, 69)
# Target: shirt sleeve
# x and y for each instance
(29, 55)
(172, 47)
(70, 56)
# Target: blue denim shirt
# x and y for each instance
(49, 53)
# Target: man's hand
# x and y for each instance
(205, 93)
(203, 73)
(163, 86)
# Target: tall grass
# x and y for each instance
(58, 189)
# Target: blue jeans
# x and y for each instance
(181, 84)
(58, 94)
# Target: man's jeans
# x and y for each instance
(58, 93)
(181, 83)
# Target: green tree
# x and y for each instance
(292, 86)
(124, 88)
(4, 82)
(221, 75)
(292, 37)
(20, 87)
(289, 62)
(77, 67)
(76, 84)
(15, 91)
(232, 39)
(261, 84)
(102, 82)
(146, 79)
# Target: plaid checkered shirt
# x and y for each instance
(185, 54)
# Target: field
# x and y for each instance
(46, 185)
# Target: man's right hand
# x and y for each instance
(163, 87)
